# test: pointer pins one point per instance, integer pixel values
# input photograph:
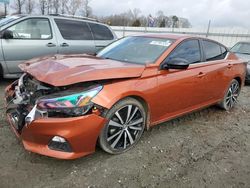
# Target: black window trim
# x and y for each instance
(103, 26)
(76, 21)
(185, 40)
(221, 45)
(29, 18)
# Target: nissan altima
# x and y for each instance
(63, 105)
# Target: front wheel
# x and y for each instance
(231, 96)
(124, 128)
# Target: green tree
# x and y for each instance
(175, 20)
(136, 23)
(163, 23)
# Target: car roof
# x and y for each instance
(168, 36)
(61, 16)
(244, 42)
(177, 37)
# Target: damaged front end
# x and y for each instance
(29, 99)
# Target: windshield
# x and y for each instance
(242, 48)
(141, 50)
(9, 19)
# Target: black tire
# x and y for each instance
(124, 128)
(231, 96)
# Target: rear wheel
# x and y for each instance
(124, 128)
(231, 96)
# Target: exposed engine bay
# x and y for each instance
(29, 99)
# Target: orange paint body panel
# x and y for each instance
(63, 70)
(82, 134)
(166, 93)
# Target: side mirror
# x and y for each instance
(7, 34)
(176, 63)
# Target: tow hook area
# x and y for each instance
(17, 117)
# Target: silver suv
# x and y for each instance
(24, 37)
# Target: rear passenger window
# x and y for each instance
(213, 51)
(101, 32)
(74, 30)
(188, 50)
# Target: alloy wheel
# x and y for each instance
(125, 128)
(232, 94)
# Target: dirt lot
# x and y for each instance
(210, 148)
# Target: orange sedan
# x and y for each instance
(63, 105)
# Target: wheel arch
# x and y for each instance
(239, 80)
(145, 105)
(135, 95)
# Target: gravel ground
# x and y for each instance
(209, 148)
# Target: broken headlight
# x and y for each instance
(70, 105)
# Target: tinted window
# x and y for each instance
(188, 50)
(213, 51)
(74, 30)
(35, 28)
(101, 32)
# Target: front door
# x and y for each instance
(181, 90)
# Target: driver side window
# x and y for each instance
(188, 50)
(35, 28)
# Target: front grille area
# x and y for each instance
(17, 118)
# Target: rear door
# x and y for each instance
(216, 69)
(75, 37)
(102, 35)
(32, 37)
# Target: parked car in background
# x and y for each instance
(2, 17)
(242, 50)
(63, 105)
(24, 37)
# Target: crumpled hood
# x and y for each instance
(62, 70)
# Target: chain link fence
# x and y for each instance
(226, 36)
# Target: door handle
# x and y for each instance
(64, 44)
(229, 66)
(201, 74)
(51, 45)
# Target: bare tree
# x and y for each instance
(63, 6)
(29, 6)
(161, 19)
(42, 5)
(49, 6)
(135, 13)
(72, 6)
(87, 10)
(135, 18)
(18, 6)
(56, 6)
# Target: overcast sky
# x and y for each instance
(221, 12)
